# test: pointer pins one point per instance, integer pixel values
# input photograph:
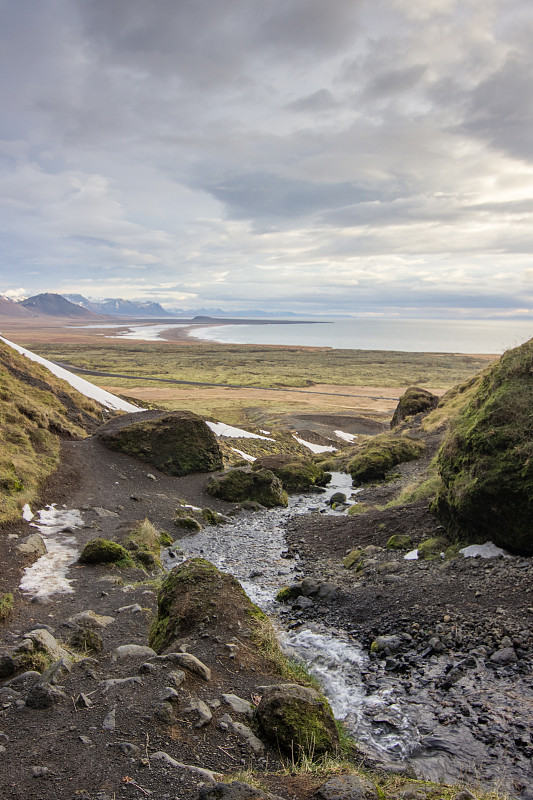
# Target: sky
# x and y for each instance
(342, 157)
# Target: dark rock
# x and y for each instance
(337, 498)
(7, 666)
(347, 787)
(506, 655)
(176, 442)
(43, 695)
(297, 720)
(234, 791)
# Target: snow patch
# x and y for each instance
(487, 550)
(411, 556)
(27, 513)
(348, 437)
(84, 387)
(221, 429)
(48, 575)
(244, 455)
(316, 448)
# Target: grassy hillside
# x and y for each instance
(36, 411)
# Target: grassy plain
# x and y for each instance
(305, 380)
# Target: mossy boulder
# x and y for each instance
(241, 485)
(176, 442)
(188, 524)
(103, 551)
(413, 401)
(433, 547)
(296, 474)
(297, 720)
(191, 594)
(486, 462)
(399, 541)
(378, 455)
(354, 559)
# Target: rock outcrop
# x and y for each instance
(176, 442)
(486, 462)
(413, 401)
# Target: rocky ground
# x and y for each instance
(124, 722)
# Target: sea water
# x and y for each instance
(407, 335)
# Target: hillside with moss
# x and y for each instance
(37, 410)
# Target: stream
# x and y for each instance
(253, 549)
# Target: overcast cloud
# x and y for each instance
(323, 157)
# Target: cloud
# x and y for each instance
(377, 154)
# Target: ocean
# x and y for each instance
(410, 335)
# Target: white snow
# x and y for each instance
(221, 429)
(244, 455)
(84, 387)
(412, 555)
(316, 448)
(487, 550)
(48, 575)
(348, 437)
(27, 513)
(267, 433)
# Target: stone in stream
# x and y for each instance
(239, 485)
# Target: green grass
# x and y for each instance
(252, 365)
(6, 606)
(36, 410)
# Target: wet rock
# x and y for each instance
(303, 602)
(336, 498)
(43, 695)
(235, 791)
(387, 644)
(347, 787)
(297, 719)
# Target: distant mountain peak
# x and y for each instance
(55, 305)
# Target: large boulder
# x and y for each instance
(186, 599)
(413, 401)
(486, 462)
(298, 720)
(377, 456)
(296, 474)
(176, 442)
(240, 485)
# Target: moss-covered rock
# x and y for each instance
(189, 595)
(296, 474)
(86, 640)
(399, 541)
(413, 401)
(176, 442)
(211, 517)
(187, 524)
(144, 542)
(298, 720)
(486, 462)
(353, 559)
(433, 547)
(103, 551)
(240, 485)
(378, 455)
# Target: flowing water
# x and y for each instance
(253, 549)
